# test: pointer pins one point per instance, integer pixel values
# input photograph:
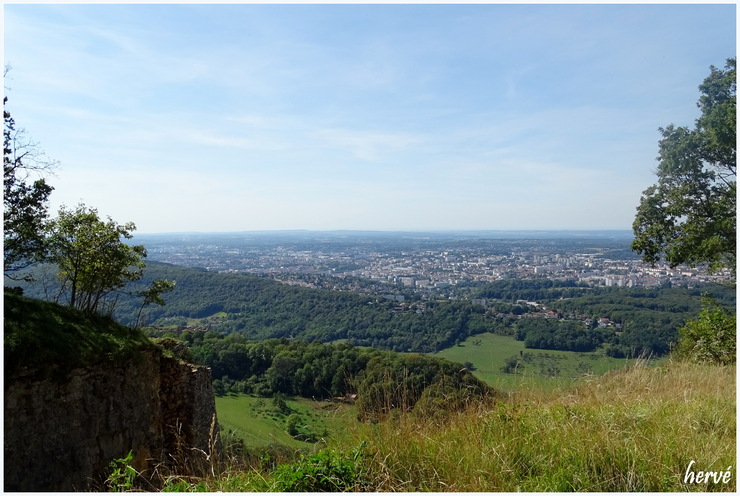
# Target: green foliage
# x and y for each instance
(649, 317)
(92, 259)
(291, 424)
(391, 382)
(710, 338)
(278, 402)
(689, 215)
(263, 309)
(122, 476)
(255, 424)
(382, 380)
(153, 294)
(566, 335)
(513, 365)
(636, 430)
(325, 471)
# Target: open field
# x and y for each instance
(259, 423)
(536, 368)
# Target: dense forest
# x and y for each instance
(261, 308)
(640, 320)
(381, 380)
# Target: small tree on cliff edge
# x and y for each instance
(689, 215)
(93, 260)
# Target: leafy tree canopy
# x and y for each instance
(93, 260)
(689, 215)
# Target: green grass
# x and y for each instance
(211, 319)
(48, 337)
(260, 424)
(541, 368)
(635, 429)
(631, 430)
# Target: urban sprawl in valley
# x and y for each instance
(429, 266)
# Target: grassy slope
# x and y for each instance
(45, 336)
(258, 423)
(489, 355)
(635, 429)
(631, 430)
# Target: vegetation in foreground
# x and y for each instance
(637, 429)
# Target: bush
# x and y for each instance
(710, 338)
(325, 471)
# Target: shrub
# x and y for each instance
(325, 471)
(710, 338)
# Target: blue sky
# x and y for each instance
(397, 117)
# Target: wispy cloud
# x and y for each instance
(367, 116)
(366, 145)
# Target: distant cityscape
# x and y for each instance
(426, 265)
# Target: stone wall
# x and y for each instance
(62, 432)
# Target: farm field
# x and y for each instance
(536, 368)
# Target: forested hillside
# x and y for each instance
(261, 308)
(639, 320)
(382, 380)
(630, 321)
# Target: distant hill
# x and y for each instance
(261, 308)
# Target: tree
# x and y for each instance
(689, 215)
(25, 202)
(92, 259)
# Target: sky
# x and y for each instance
(218, 118)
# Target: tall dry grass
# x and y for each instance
(632, 430)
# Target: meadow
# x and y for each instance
(260, 423)
(541, 369)
(636, 429)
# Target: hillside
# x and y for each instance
(638, 320)
(633, 430)
(46, 336)
(261, 308)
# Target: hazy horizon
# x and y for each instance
(389, 231)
